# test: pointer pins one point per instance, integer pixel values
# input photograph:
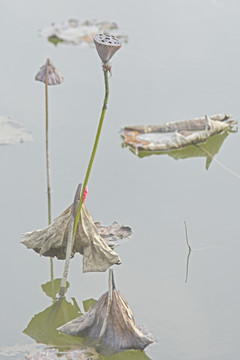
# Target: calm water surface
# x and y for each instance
(182, 61)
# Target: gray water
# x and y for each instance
(182, 61)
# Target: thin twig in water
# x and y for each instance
(190, 249)
(189, 252)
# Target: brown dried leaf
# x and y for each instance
(114, 233)
(175, 135)
(52, 241)
(121, 332)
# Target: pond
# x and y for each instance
(181, 61)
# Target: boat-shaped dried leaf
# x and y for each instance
(175, 135)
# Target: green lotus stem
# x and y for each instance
(104, 108)
(73, 231)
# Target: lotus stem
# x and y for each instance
(78, 209)
(70, 243)
(109, 304)
(104, 108)
(47, 156)
(80, 192)
(48, 168)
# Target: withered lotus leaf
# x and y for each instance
(12, 132)
(52, 241)
(114, 233)
(121, 332)
(175, 135)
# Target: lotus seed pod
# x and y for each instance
(49, 74)
(106, 46)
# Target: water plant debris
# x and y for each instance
(77, 32)
(114, 233)
(120, 332)
(52, 241)
(12, 132)
(175, 135)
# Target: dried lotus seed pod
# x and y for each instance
(106, 46)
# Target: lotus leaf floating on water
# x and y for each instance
(12, 132)
(175, 135)
(78, 32)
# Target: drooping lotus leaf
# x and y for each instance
(78, 32)
(176, 135)
(52, 241)
(120, 333)
(11, 132)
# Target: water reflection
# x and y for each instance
(43, 329)
(43, 325)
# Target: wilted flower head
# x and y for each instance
(49, 74)
(106, 46)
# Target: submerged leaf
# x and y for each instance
(52, 241)
(120, 334)
(79, 32)
(12, 132)
(174, 135)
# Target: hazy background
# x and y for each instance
(182, 61)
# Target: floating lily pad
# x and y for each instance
(12, 132)
(79, 32)
(176, 135)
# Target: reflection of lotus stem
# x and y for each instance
(109, 304)
(48, 170)
(78, 211)
(104, 108)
